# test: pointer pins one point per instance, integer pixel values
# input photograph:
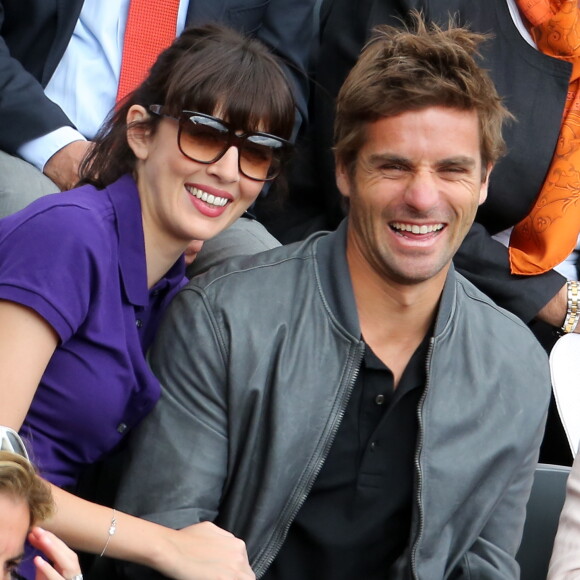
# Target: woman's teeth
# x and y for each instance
(207, 197)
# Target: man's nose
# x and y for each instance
(422, 192)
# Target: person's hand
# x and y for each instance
(65, 561)
(205, 552)
(63, 166)
(192, 251)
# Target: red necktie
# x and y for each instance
(548, 234)
(150, 30)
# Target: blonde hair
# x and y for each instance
(19, 480)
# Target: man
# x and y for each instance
(350, 406)
(517, 67)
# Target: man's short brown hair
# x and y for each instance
(409, 69)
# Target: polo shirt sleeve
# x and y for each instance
(51, 260)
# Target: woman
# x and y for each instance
(85, 276)
(25, 500)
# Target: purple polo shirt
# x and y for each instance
(78, 260)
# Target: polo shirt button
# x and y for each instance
(139, 323)
(373, 446)
(121, 428)
(380, 399)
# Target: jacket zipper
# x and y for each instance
(283, 527)
(419, 472)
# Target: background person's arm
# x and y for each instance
(25, 111)
(484, 262)
(65, 561)
(565, 561)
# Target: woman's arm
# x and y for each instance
(199, 552)
(27, 343)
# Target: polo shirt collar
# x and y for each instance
(126, 204)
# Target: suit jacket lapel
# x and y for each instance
(67, 14)
(392, 11)
(201, 11)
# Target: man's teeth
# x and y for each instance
(207, 197)
(415, 229)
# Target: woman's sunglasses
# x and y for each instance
(11, 441)
(206, 139)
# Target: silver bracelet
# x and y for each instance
(112, 530)
(572, 310)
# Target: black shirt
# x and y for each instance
(356, 519)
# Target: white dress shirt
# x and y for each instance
(85, 82)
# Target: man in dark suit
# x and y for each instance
(34, 37)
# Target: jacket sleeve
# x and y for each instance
(485, 263)
(25, 111)
(187, 431)
(177, 462)
(492, 555)
(565, 562)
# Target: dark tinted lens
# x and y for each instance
(260, 156)
(203, 139)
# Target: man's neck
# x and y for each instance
(394, 318)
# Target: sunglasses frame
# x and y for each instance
(6, 433)
(8, 437)
(233, 140)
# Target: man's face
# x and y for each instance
(416, 187)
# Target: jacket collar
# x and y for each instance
(335, 280)
(336, 284)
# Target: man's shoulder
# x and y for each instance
(274, 267)
(495, 325)
(479, 300)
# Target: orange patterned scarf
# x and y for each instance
(548, 234)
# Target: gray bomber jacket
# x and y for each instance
(258, 359)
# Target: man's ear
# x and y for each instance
(342, 180)
(137, 135)
(485, 184)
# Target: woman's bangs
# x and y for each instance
(244, 91)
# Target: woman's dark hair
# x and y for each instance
(207, 69)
